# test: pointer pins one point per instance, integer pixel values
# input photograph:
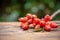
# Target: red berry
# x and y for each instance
(37, 20)
(47, 28)
(42, 23)
(22, 19)
(25, 27)
(37, 26)
(34, 24)
(53, 25)
(46, 18)
(30, 21)
(29, 16)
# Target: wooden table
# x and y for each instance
(12, 31)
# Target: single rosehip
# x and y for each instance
(46, 18)
(53, 25)
(42, 24)
(47, 28)
(29, 16)
(25, 27)
(37, 21)
(37, 26)
(30, 21)
(34, 24)
(22, 20)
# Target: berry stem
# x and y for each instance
(54, 14)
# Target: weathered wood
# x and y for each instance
(12, 31)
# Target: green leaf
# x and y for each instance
(37, 30)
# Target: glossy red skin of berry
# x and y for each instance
(22, 20)
(37, 21)
(34, 24)
(25, 27)
(30, 21)
(46, 18)
(47, 28)
(29, 16)
(42, 24)
(37, 26)
(53, 25)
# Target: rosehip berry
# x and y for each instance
(37, 20)
(53, 25)
(29, 16)
(37, 26)
(47, 28)
(42, 24)
(22, 20)
(46, 18)
(34, 24)
(25, 27)
(30, 21)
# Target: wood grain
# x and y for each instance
(12, 31)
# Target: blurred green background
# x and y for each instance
(11, 10)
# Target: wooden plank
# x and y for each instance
(12, 31)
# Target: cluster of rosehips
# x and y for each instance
(36, 23)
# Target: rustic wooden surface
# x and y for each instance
(11, 31)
